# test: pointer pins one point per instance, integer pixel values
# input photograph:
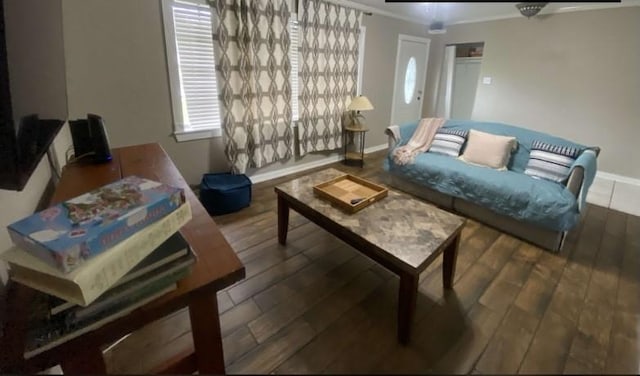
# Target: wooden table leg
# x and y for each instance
(205, 329)
(89, 361)
(406, 306)
(283, 220)
(450, 255)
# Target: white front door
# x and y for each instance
(411, 71)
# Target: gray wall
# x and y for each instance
(116, 67)
(574, 75)
(381, 47)
(36, 58)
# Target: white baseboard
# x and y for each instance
(616, 177)
(616, 192)
(258, 178)
(375, 148)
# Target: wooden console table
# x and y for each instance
(216, 268)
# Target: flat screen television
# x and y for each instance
(33, 98)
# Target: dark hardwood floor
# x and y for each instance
(318, 306)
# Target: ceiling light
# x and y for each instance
(437, 27)
(437, 19)
(530, 9)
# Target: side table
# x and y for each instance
(353, 144)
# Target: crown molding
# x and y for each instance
(515, 14)
(374, 10)
(569, 9)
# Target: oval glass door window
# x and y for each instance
(410, 80)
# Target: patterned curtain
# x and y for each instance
(253, 69)
(328, 72)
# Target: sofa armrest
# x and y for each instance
(583, 172)
(576, 178)
(393, 134)
(398, 134)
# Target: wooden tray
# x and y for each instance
(341, 190)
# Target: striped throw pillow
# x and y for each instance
(449, 141)
(551, 162)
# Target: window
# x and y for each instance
(192, 73)
(293, 58)
(410, 80)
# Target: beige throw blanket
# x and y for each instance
(419, 142)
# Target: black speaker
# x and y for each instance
(90, 140)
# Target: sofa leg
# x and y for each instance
(563, 237)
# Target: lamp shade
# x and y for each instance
(360, 103)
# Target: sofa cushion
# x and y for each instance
(525, 138)
(551, 162)
(449, 141)
(514, 194)
(490, 150)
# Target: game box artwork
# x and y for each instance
(70, 232)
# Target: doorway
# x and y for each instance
(461, 75)
(410, 73)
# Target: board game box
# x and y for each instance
(68, 233)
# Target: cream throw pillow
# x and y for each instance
(489, 150)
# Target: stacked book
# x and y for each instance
(99, 256)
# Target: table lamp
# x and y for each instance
(360, 103)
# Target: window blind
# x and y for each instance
(196, 66)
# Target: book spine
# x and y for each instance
(60, 305)
(43, 339)
(80, 315)
(129, 253)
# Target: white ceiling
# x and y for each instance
(453, 13)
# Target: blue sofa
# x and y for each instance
(537, 210)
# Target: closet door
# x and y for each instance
(465, 84)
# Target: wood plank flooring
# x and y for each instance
(318, 306)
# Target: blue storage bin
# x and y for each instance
(223, 193)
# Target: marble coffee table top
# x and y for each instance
(408, 229)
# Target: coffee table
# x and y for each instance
(400, 232)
